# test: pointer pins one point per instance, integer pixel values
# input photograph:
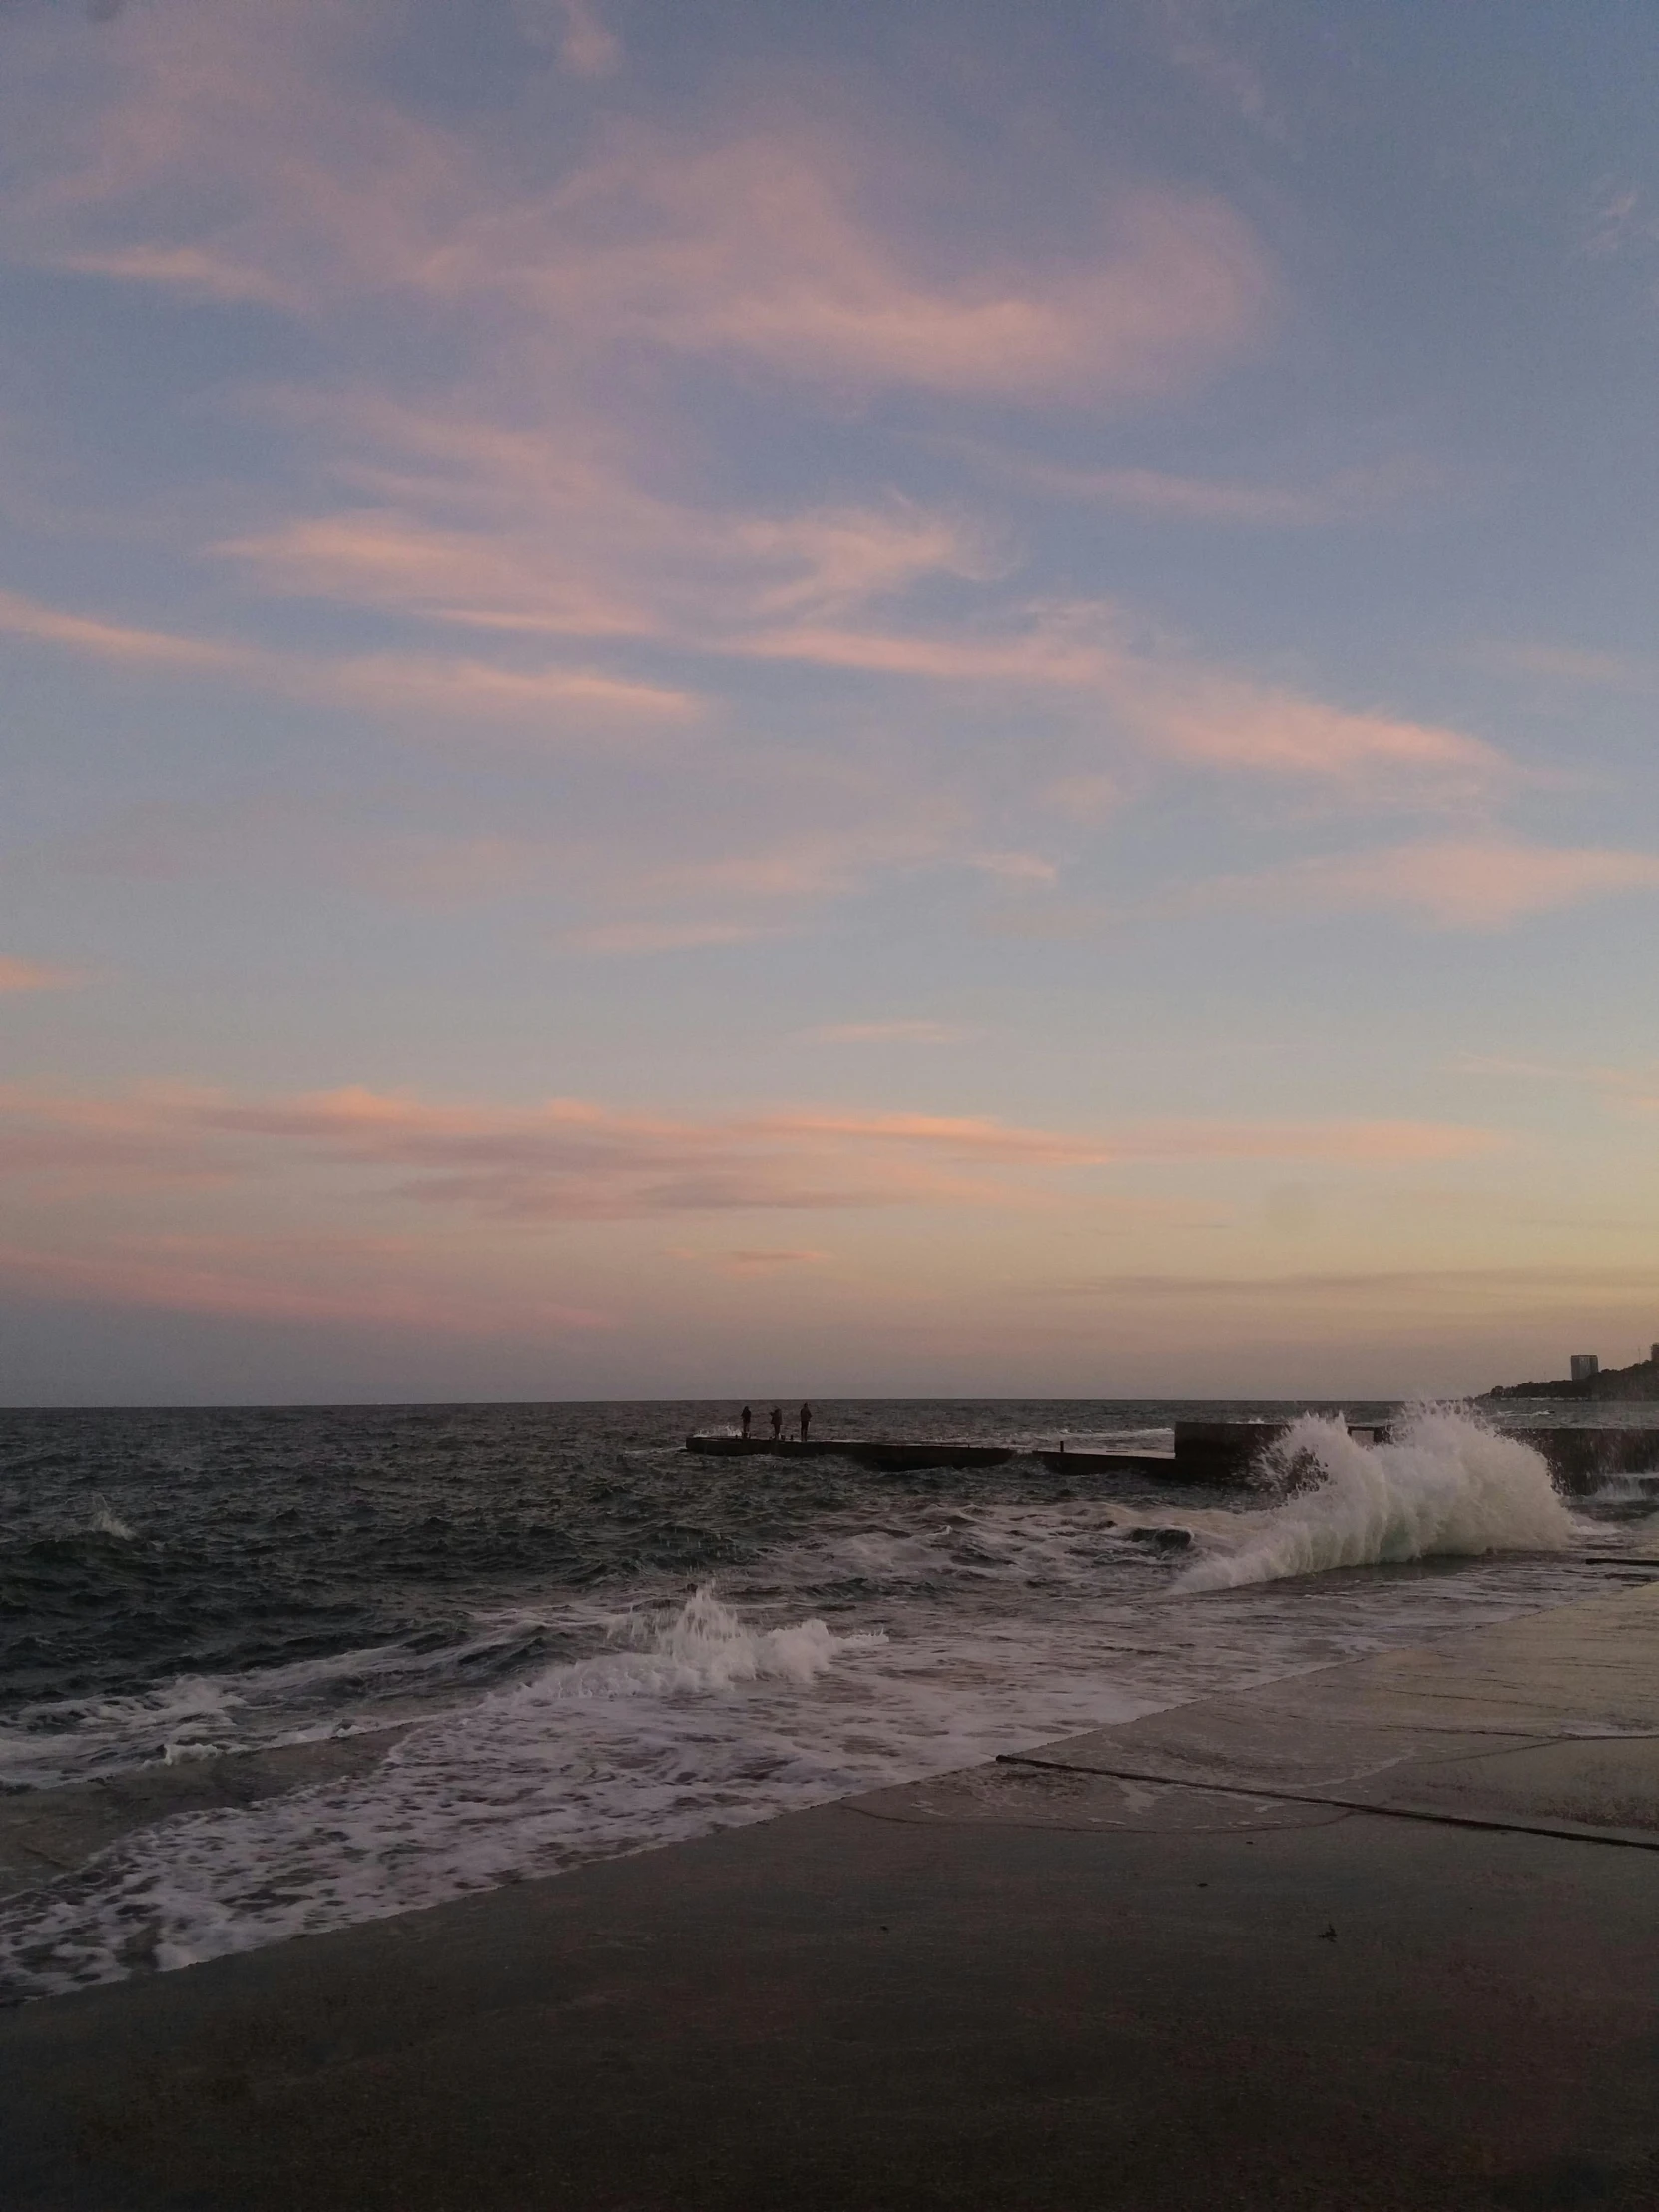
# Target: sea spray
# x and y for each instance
(701, 1645)
(1446, 1485)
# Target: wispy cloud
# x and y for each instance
(574, 30)
(360, 1284)
(37, 976)
(446, 687)
(1176, 706)
(194, 271)
(755, 244)
(1480, 883)
(109, 641)
(573, 1161)
(1485, 1293)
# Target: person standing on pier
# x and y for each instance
(805, 1422)
(778, 1424)
(745, 1417)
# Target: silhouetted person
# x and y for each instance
(746, 1418)
(777, 1425)
(805, 1422)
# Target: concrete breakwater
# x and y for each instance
(896, 1456)
(1217, 1452)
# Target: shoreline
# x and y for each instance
(1359, 1930)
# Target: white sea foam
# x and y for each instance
(76, 1739)
(860, 1655)
(53, 1741)
(701, 1645)
(1446, 1485)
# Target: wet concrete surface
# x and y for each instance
(1049, 1983)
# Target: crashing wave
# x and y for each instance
(1444, 1485)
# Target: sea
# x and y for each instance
(269, 1672)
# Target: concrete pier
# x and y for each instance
(1383, 1938)
(1582, 1459)
(896, 1456)
(1221, 1452)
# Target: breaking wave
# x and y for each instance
(701, 1645)
(1446, 1485)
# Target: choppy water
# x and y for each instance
(591, 1643)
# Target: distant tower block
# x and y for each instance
(1584, 1365)
(1653, 1354)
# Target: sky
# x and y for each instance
(705, 700)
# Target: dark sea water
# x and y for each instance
(568, 1638)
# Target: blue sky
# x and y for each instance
(705, 700)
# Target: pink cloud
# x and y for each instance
(756, 247)
(573, 1159)
(262, 164)
(546, 532)
(28, 617)
(445, 686)
(449, 687)
(37, 976)
(192, 269)
(255, 1279)
(1480, 883)
(1177, 707)
(1232, 722)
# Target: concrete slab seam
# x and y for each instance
(1572, 1831)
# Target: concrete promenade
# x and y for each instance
(1380, 1937)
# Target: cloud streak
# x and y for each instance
(37, 976)
(107, 641)
(359, 1286)
(570, 1160)
(753, 245)
(1178, 709)
(1478, 883)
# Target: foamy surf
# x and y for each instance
(1445, 1485)
(882, 1632)
(701, 1645)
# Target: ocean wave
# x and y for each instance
(701, 1645)
(1445, 1485)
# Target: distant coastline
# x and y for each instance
(1634, 1383)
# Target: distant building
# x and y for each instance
(1653, 1354)
(1584, 1365)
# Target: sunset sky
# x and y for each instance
(867, 700)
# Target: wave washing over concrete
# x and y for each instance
(1446, 1486)
(860, 1632)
